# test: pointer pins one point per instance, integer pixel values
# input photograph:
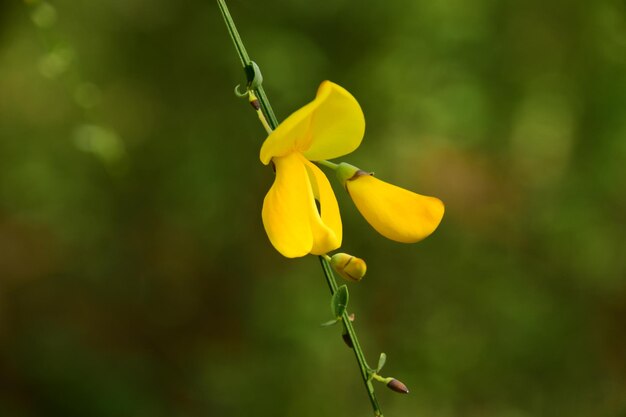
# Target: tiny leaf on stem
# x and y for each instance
(339, 301)
(381, 361)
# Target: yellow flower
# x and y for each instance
(330, 126)
(394, 212)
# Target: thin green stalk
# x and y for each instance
(247, 62)
(266, 110)
(358, 352)
(328, 164)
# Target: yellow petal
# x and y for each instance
(394, 212)
(287, 208)
(291, 135)
(332, 125)
(337, 125)
(326, 226)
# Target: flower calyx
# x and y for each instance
(346, 172)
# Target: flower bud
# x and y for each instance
(348, 266)
(397, 386)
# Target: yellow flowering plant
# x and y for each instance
(300, 211)
(332, 125)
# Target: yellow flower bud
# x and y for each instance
(348, 266)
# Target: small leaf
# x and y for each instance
(254, 76)
(339, 301)
(330, 322)
(381, 361)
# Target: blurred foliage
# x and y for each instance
(135, 275)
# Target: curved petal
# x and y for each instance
(394, 212)
(326, 226)
(331, 125)
(287, 208)
(337, 125)
(291, 135)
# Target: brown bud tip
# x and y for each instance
(347, 340)
(398, 386)
(255, 104)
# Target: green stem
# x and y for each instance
(381, 378)
(358, 352)
(246, 62)
(328, 164)
(266, 109)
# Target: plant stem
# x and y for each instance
(269, 119)
(254, 101)
(358, 352)
(246, 62)
(328, 164)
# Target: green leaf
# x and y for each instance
(254, 76)
(381, 361)
(339, 302)
(330, 322)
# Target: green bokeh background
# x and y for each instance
(135, 275)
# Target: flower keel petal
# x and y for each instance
(287, 208)
(326, 224)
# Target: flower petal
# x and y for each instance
(337, 125)
(331, 125)
(394, 212)
(326, 226)
(291, 135)
(287, 208)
